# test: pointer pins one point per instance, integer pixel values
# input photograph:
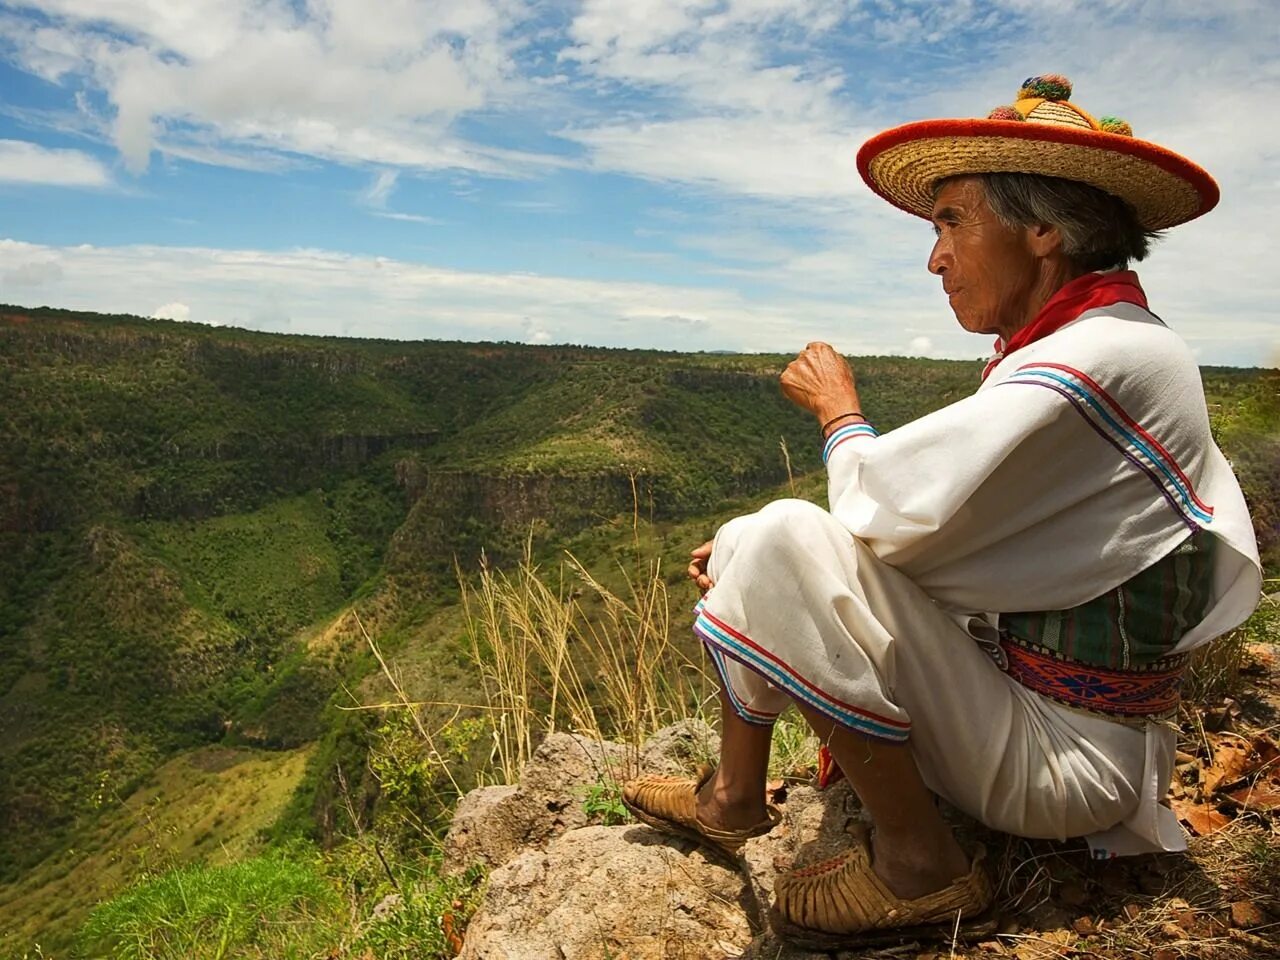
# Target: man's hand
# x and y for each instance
(698, 566)
(820, 381)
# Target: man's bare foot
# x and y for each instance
(724, 809)
(917, 866)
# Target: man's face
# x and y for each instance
(987, 269)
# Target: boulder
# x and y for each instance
(564, 889)
(680, 748)
(493, 824)
(611, 892)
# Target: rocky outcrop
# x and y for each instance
(564, 886)
(491, 825)
(610, 892)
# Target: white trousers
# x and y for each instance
(802, 610)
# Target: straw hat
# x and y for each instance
(1044, 133)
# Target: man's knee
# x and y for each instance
(793, 526)
(780, 528)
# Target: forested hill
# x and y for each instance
(177, 501)
(184, 510)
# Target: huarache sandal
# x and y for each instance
(842, 900)
(670, 804)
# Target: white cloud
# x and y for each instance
(34, 273)
(321, 292)
(408, 217)
(377, 193)
(533, 332)
(745, 155)
(337, 79)
(922, 346)
(172, 311)
(24, 162)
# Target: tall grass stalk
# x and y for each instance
(546, 664)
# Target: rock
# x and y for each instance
(562, 889)
(680, 748)
(387, 906)
(565, 763)
(490, 826)
(768, 947)
(493, 824)
(599, 892)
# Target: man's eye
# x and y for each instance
(937, 230)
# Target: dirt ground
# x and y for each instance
(1220, 901)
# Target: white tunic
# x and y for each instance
(1083, 458)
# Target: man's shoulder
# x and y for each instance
(1121, 353)
(1121, 341)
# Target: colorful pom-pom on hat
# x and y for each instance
(1042, 132)
(1051, 86)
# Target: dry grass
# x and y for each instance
(546, 663)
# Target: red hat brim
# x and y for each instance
(903, 165)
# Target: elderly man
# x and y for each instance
(998, 606)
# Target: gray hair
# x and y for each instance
(1099, 231)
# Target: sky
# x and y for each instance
(676, 174)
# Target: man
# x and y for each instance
(998, 607)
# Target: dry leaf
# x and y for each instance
(776, 791)
(1203, 818)
(1263, 795)
(1222, 717)
(1085, 926)
(729, 949)
(1246, 914)
(1231, 762)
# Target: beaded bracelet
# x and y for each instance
(852, 413)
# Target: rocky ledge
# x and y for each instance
(564, 886)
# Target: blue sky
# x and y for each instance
(650, 173)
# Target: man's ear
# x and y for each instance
(1044, 239)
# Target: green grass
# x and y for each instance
(207, 805)
(269, 906)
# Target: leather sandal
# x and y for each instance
(670, 804)
(842, 900)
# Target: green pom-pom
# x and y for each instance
(1005, 113)
(1116, 125)
(1050, 86)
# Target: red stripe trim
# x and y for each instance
(1152, 153)
(1123, 415)
(787, 669)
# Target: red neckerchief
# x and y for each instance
(1089, 292)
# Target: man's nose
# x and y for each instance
(939, 257)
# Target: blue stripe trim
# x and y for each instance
(846, 433)
(1028, 377)
(710, 634)
(756, 718)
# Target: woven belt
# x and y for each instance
(1148, 692)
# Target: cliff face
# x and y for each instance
(461, 512)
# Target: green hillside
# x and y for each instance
(192, 517)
